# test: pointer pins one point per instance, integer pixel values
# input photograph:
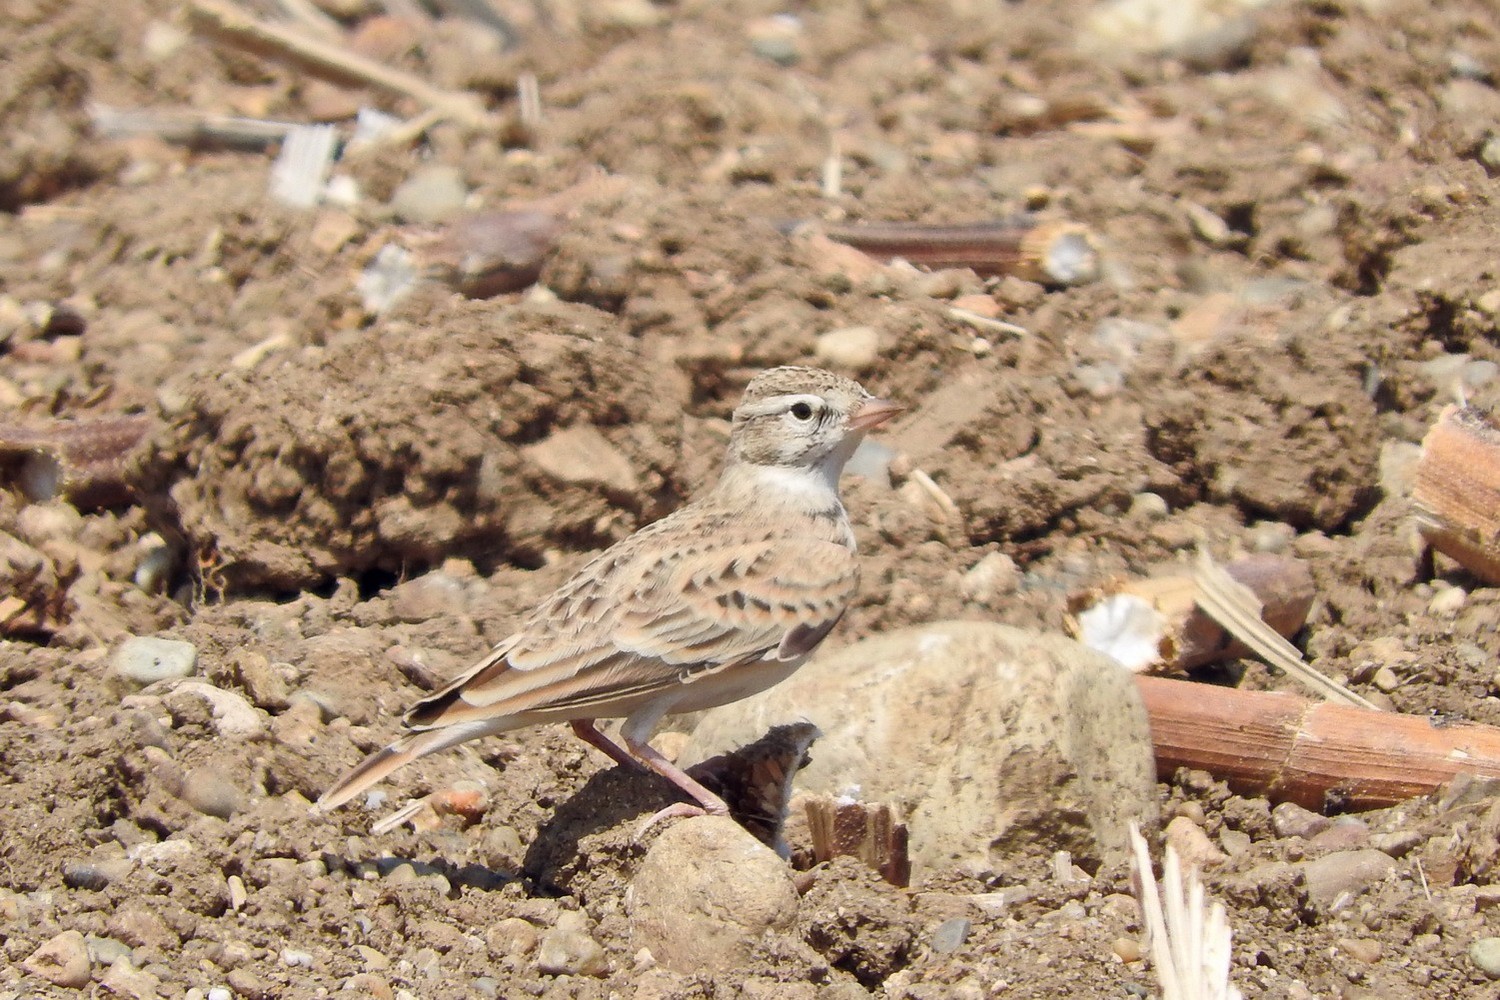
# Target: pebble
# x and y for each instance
(1193, 846)
(951, 935)
(247, 984)
(92, 875)
(147, 659)
(294, 959)
(569, 948)
(220, 993)
(1345, 834)
(706, 894)
(1127, 949)
(106, 951)
(1447, 602)
(1292, 820)
(234, 717)
(854, 348)
(991, 577)
(124, 979)
(369, 984)
(434, 193)
(62, 961)
(511, 937)
(261, 680)
(1485, 954)
(210, 792)
(1361, 949)
(777, 38)
(581, 454)
(1334, 874)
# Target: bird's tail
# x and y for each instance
(400, 753)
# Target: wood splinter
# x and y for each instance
(83, 461)
(1456, 496)
(1155, 624)
(1050, 253)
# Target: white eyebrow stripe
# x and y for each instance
(779, 404)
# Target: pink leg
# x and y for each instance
(708, 802)
(585, 730)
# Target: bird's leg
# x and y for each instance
(709, 804)
(585, 730)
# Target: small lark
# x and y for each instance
(713, 603)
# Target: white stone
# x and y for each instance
(147, 659)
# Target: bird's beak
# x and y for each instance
(873, 413)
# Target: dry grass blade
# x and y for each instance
(1189, 940)
(1235, 608)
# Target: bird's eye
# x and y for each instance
(802, 411)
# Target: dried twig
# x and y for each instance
(1235, 607)
(1053, 253)
(226, 21)
(83, 461)
(1456, 496)
(868, 831)
(187, 127)
(1190, 941)
(1316, 754)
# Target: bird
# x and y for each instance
(719, 600)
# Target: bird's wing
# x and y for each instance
(644, 621)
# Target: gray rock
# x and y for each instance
(434, 193)
(951, 935)
(1292, 820)
(147, 659)
(1485, 954)
(706, 892)
(990, 740)
(1345, 871)
(62, 961)
(569, 948)
(211, 793)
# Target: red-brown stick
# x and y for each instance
(1316, 754)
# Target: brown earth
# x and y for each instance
(1297, 217)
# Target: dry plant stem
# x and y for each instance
(188, 127)
(1019, 247)
(1236, 607)
(84, 461)
(1316, 754)
(229, 23)
(1456, 496)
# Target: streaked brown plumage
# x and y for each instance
(715, 602)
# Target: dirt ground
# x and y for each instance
(338, 508)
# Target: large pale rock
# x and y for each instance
(706, 893)
(990, 739)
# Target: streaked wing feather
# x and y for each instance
(685, 613)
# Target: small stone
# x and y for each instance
(92, 876)
(220, 993)
(369, 984)
(139, 926)
(124, 979)
(1345, 834)
(951, 935)
(1292, 820)
(264, 684)
(706, 893)
(146, 659)
(1192, 844)
(247, 984)
(1127, 949)
(581, 454)
(1334, 874)
(511, 937)
(776, 38)
(992, 577)
(1485, 954)
(1447, 602)
(233, 717)
(569, 949)
(1149, 507)
(434, 193)
(1361, 949)
(208, 790)
(296, 959)
(853, 348)
(1385, 679)
(62, 961)
(107, 951)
